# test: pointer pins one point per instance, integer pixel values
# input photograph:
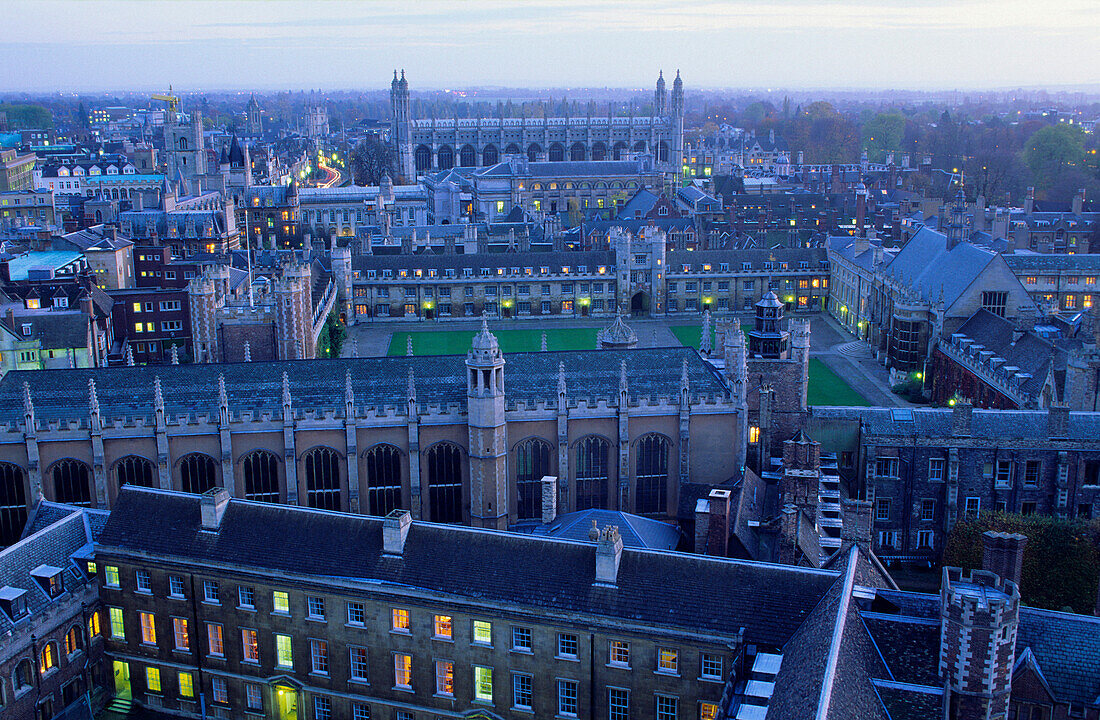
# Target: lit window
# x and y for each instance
(110, 576)
(118, 632)
(620, 653)
(483, 632)
(442, 627)
(754, 434)
(250, 645)
(281, 602)
(708, 711)
(93, 625)
(214, 639)
(483, 683)
(181, 638)
(400, 620)
(667, 660)
(47, 661)
(444, 677)
(402, 670)
(152, 679)
(283, 654)
(187, 685)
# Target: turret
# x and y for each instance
(660, 97)
(488, 434)
(956, 228)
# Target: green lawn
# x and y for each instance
(457, 342)
(828, 388)
(689, 335)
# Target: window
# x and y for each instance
(402, 670)
(708, 711)
(592, 473)
(886, 467)
(152, 679)
(567, 645)
(882, 509)
(198, 473)
(73, 640)
(250, 645)
(995, 302)
(400, 620)
(445, 482)
(360, 712)
(180, 637)
(618, 704)
(147, 629)
(532, 464)
(667, 707)
(214, 639)
(254, 699)
(110, 576)
(652, 474)
(521, 639)
(973, 507)
(47, 659)
(280, 602)
(711, 667)
(444, 677)
(323, 478)
(118, 632)
(483, 632)
(246, 597)
(924, 539)
(1027, 508)
(667, 660)
(927, 509)
(1004, 474)
(316, 607)
(567, 698)
(442, 627)
(220, 690)
(358, 663)
(175, 586)
(619, 653)
(483, 684)
(935, 469)
(355, 613)
(383, 479)
(210, 591)
(142, 579)
(284, 655)
(318, 655)
(1031, 473)
(187, 684)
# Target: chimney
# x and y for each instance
(702, 526)
(1029, 201)
(609, 551)
(139, 201)
(549, 499)
(960, 418)
(1003, 554)
(1058, 420)
(212, 504)
(1079, 202)
(856, 524)
(395, 528)
(718, 526)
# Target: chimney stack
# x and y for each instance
(395, 528)
(549, 499)
(702, 526)
(718, 525)
(1079, 202)
(212, 505)
(1058, 420)
(961, 417)
(609, 551)
(856, 524)
(1003, 554)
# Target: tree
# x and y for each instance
(883, 134)
(1052, 151)
(330, 342)
(370, 160)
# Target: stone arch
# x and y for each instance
(651, 469)
(444, 462)
(71, 480)
(533, 461)
(490, 155)
(323, 480)
(260, 471)
(445, 158)
(578, 152)
(640, 146)
(512, 149)
(556, 152)
(592, 472)
(422, 157)
(467, 156)
(617, 150)
(599, 151)
(533, 152)
(13, 502)
(198, 473)
(383, 476)
(135, 470)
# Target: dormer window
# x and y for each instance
(61, 302)
(49, 577)
(26, 329)
(33, 303)
(13, 601)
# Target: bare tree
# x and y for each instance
(370, 160)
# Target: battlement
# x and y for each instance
(978, 591)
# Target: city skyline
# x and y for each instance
(854, 44)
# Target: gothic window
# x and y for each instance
(423, 158)
(599, 151)
(445, 482)
(13, 503)
(261, 476)
(512, 149)
(662, 151)
(182, 143)
(639, 146)
(577, 152)
(490, 155)
(323, 478)
(383, 479)
(135, 470)
(72, 482)
(467, 156)
(445, 158)
(618, 150)
(592, 477)
(556, 153)
(532, 463)
(533, 151)
(198, 473)
(651, 471)
(23, 677)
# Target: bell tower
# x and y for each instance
(488, 438)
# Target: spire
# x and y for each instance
(349, 396)
(286, 392)
(247, 352)
(223, 401)
(684, 386)
(622, 378)
(158, 398)
(93, 399)
(175, 356)
(129, 356)
(561, 380)
(28, 407)
(409, 346)
(411, 389)
(704, 337)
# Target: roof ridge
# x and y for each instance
(833, 657)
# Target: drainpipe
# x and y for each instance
(197, 650)
(591, 676)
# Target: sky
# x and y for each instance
(62, 45)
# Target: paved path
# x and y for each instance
(851, 359)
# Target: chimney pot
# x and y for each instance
(609, 551)
(856, 524)
(212, 505)
(549, 499)
(395, 528)
(718, 526)
(1058, 420)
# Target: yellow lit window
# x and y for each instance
(187, 685)
(148, 327)
(708, 711)
(443, 627)
(93, 625)
(111, 576)
(32, 304)
(483, 683)
(148, 629)
(214, 639)
(138, 327)
(402, 670)
(400, 620)
(483, 632)
(667, 660)
(137, 307)
(444, 677)
(152, 679)
(620, 653)
(1086, 301)
(281, 602)
(117, 630)
(284, 655)
(754, 434)
(500, 206)
(48, 661)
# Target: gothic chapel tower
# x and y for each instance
(660, 97)
(488, 432)
(677, 120)
(401, 127)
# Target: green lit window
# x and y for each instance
(112, 575)
(187, 685)
(152, 679)
(117, 630)
(283, 652)
(282, 602)
(91, 568)
(483, 632)
(483, 683)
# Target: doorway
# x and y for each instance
(122, 680)
(286, 702)
(639, 303)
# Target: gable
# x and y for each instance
(996, 276)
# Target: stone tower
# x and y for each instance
(660, 97)
(979, 614)
(488, 432)
(401, 127)
(343, 274)
(204, 319)
(294, 313)
(253, 123)
(800, 354)
(736, 370)
(184, 150)
(956, 224)
(676, 117)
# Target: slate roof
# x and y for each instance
(635, 530)
(441, 379)
(1031, 353)
(592, 259)
(1041, 262)
(936, 423)
(910, 704)
(659, 588)
(755, 257)
(926, 266)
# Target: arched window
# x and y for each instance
(13, 503)
(198, 473)
(599, 151)
(47, 658)
(651, 471)
(618, 150)
(74, 640)
(182, 143)
(261, 476)
(323, 478)
(72, 482)
(467, 156)
(490, 156)
(135, 470)
(592, 478)
(23, 677)
(639, 146)
(556, 153)
(445, 482)
(533, 152)
(445, 158)
(512, 149)
(577, 152)
(532, 463)
(423, 158)
(93, 625)
(662, 151)
(383, 479)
